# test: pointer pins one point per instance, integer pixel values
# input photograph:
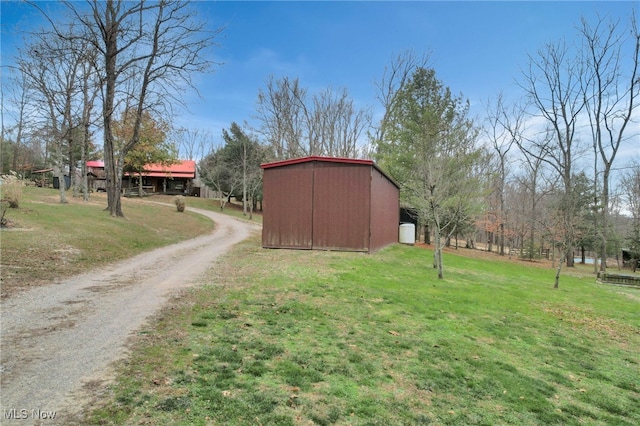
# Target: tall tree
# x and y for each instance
(610, 85)
(536, 185)
(326, 124)
(243, 156)
(90, 89)
(501, 130)
(147, 54)
(20, 95)
(428, 146)
(192, 143)
(235, 167)
(630, 185)
(52, 65)
(215, 173)
(552, 83)
(395, 76)
(281, 110)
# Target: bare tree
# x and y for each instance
(327, 124)
(235, 167)
(395, 77)
(193, 143)
(538, 184)
(20, 123)
(215, 172)
(20, 100)
(281, 110)
(631, 191)
(147, 53)
(552, 83)
(90, 89)
(517, 201)
(502, 130)
(256, 155)
(630, 185)
(335, 125)
(52, 65)
(610, 87)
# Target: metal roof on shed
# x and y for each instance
(364, 162)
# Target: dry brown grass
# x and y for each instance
(46, 241)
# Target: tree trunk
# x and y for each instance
(605, 216)
(113, 170)
(532, 233)
(109, 172)
(557, 279)
(62, 184)
(72, 164)
(244, 178)
(140, 190)
(114, 180)
(439, 258)
(437, 252)
(58, 171)
(570, 259)
(83, 171)
(118, 187)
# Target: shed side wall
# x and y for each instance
(287, 211)
(385, 211)
(341, 201)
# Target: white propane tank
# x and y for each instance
(407, 233)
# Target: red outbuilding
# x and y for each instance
(329, 203)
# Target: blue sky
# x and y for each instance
(477, 48)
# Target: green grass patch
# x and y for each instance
(231, 209)
(288, 337)
(48, 240)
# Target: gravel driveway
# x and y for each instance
(58, 337)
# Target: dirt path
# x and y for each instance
(57, 337)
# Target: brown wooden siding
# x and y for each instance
(341, 206)
(385, 211)
(288, 203)
(329, 204)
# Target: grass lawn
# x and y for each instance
(286, 337)
(48, 240)
(231, 209)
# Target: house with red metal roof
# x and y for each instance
(176, 178)
(96, 176)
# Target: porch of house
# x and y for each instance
(156, 185)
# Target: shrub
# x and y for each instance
(180, 203)
(4, 206)
(11, 188)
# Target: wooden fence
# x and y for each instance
(619, 279)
